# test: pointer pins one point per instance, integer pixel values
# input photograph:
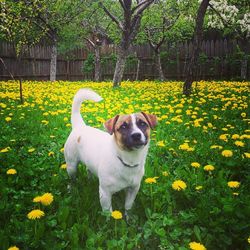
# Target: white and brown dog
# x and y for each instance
(117, 158)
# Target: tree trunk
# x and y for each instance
(192, 68)
(53, 63)
(243, 68)
(138, 69)
(97, 77)
(159, 66)
(119, 67)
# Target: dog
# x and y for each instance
(117, 157)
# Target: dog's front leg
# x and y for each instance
(105, 199)
(130, 197)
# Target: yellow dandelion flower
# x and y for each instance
(247, 155)
(47, 199)
(4, 150)
(184, 146)
(31, 150)
(198, 188)
(62, 150)
(13, 248)
(160, 144)
(63, 166)
(216, 146)
(235, 136)
(248, 239)
(235, 194)
(223, 137)
(51, 153)
(116, 215)
(7, 119)
(209, 168)
(37, 199)
(165, 173)
(11, 171)
(195, 164)
(243, 115)
(233, 184)
(35, 214)
(179, 185)
(196, 246)
(227, 153)
(239, 144)
(151, 180)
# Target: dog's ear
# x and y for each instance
(151, 119)
(110, 124)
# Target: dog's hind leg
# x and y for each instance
(72, 168)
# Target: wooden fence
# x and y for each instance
(219, 60)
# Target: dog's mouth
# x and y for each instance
(136, 145)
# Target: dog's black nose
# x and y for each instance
(136, 136)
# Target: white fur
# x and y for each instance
(99, 152)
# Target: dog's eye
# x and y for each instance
(124, 125)
(142, 124)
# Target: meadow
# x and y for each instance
(195, 194)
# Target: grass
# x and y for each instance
(195, 129)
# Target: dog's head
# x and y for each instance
(131, 131)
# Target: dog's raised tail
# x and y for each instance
(81, 96)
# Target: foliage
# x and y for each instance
(89, 63)
(231, 17)
(17, 23)
(190, 130)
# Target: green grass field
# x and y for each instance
(201, 141)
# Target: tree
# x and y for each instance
(95, 25)
(55, 17)
(232, 18)
(157, 21)
(17, 27)
(192, 68)
(128, 27)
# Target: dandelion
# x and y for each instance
(165, 173)
(62, 150)
(63, 166)
(239, 144)
(247, 155)
(243, 115)
(35, 214)
(160, 144)
(196, 246)
(179, 185)
(216, 147)
(37, 199)
(151, 180)
(13, 248)
(51, 153)
(209, 168)
(223, 137)
(227, 153)
(47, 199)
(4, 150)
(248, 239)
(117, 215)
(11, 171)
(235, 136)
(198, 188)
(31, 150)
(7, 119)
(195, 164)
(233, 184)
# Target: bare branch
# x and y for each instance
(142, 6)
(138, 5)
(92, 44)
(113, 18)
